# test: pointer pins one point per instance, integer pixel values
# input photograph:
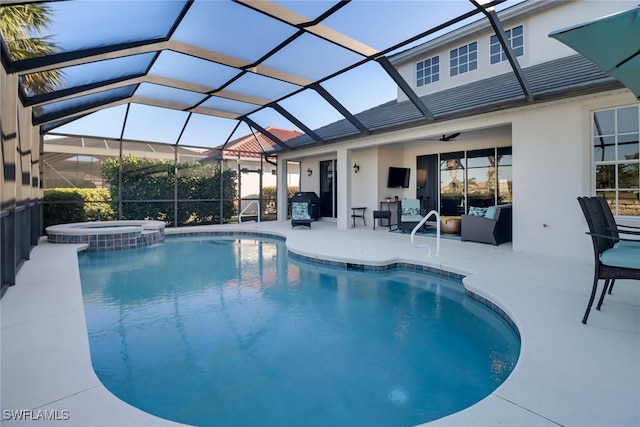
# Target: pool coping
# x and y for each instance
(108, 235)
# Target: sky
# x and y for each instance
(377, 23)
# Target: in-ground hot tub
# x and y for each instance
(108, 235)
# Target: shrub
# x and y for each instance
(148, 190)
(270, 198)
(65, 205)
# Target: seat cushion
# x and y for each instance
(410, 218)
(627, 256)
(627, 243)
(382, 214)
(300, 211)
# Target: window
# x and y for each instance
(616, 164)
(428, 71)
(475, 179)
(451, 183)
(515, 36)
(463, 59)
(481, 178)
(505, 180)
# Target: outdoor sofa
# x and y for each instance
(492, 226)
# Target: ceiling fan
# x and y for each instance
(446, 138)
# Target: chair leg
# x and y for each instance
(593, 296)
(611, 285)
(607, 284)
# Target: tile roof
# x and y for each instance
(561, 78)
(253, 145)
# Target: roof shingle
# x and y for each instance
(560, 78)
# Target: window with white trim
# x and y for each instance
(463, 59)
(428, 71)
(515, 37)
(616, 163)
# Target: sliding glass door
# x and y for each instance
(452, 183)
(475, 178)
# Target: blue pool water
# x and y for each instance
(215, 332)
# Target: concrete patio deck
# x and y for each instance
(568, 374)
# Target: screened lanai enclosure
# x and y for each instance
(144, 99)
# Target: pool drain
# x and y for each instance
(398, 395)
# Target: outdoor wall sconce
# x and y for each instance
(309, 172)
(356, 168)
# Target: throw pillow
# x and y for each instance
(474, 211)
(410, 211)
(300, 211)
(492, 212)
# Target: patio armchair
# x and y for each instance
(300, 214)
(409, 214)
(614, 257)
(494, 226)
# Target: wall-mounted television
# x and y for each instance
(398, 177)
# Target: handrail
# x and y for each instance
(247, 207)
(420, 224)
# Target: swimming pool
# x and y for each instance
(210, 331)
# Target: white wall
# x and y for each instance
(552, 166)
(548, 168)
(391, 156)
(543, 48)
(539, 47)
(312, 183)
(365, 183)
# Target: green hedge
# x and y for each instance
(65, 205)
(146, 183)
(270, 198)
(148, 190)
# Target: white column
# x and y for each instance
(282, 184)
(344, 188)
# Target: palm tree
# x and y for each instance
(20, 27)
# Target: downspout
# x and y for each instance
(239, 173)
(175, 186)
(260, 194)
(221, 189)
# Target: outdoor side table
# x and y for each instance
(358, 213)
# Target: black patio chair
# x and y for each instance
(612, 260)
(614, 227)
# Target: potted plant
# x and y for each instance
(450, 224)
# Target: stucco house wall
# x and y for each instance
(538, 19)
(552, 156)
